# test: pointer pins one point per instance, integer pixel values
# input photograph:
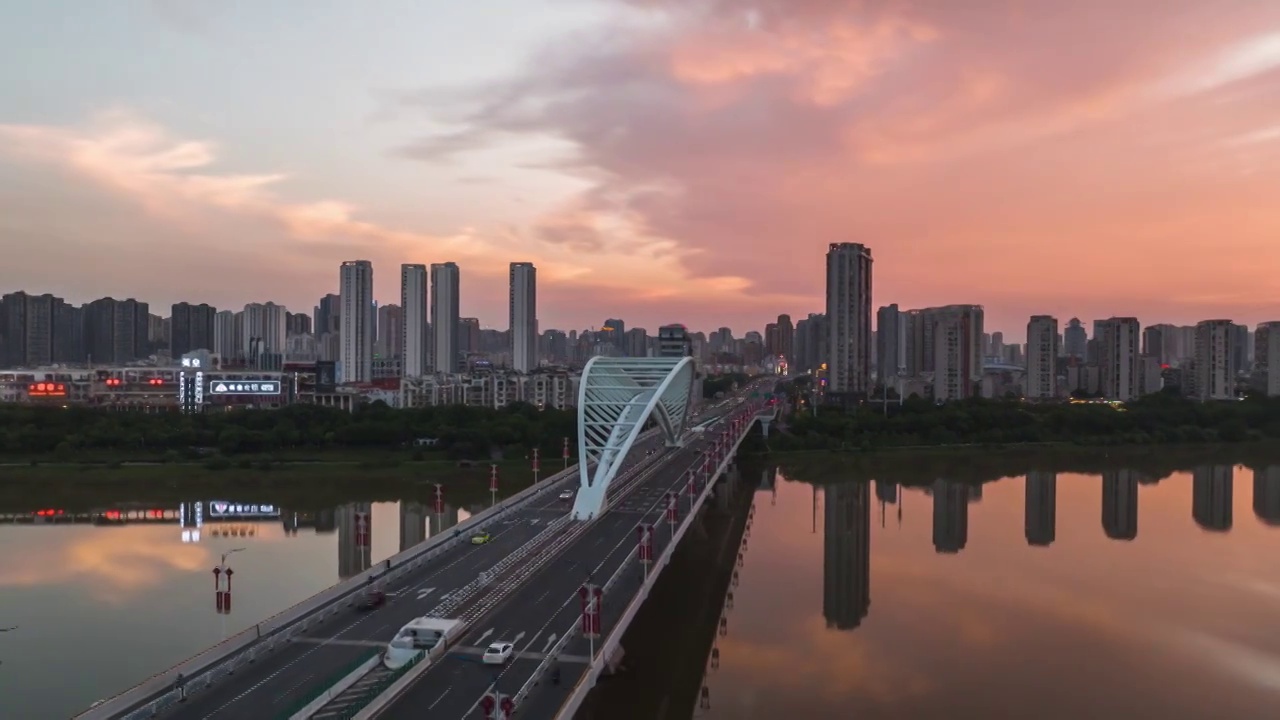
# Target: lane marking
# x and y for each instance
(437, 702)
(550, 641)
(425, 592)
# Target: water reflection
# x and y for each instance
(1062, 629)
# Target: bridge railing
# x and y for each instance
(165, 689)
(614, 639)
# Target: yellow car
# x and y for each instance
(481, 538)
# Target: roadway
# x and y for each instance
(313, 660)
(539, 612)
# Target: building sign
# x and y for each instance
(191, 362)
(221, 509)
(47, 389)
(244, 387)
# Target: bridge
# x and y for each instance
(648, 466)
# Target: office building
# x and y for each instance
(890, 345)
(355, 321)
(191, 327)
(523, 316)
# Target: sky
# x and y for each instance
(658, 160)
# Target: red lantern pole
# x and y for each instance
(535, 466)
(217, 589)
(493, 484)
(565, 453)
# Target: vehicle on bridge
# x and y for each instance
(498, 653)
(372, 600)
(421, 635)
(566, 494)
(481, 538)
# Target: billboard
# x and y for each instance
(326, 377)
(223, 510)
(244, 387)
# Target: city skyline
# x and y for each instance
(966, 164)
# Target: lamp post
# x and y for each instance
(222, 598)
(493, 484)
(535, 466)
(439, 505)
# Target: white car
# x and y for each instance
(566, 494)
(498, 653)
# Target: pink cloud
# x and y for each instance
(1032, 156)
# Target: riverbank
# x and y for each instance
(923, 465)
(362, 466)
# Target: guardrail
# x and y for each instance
(307, 705)
(394, 690)
(166, 689)
(611, 642)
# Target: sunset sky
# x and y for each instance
(659, 160)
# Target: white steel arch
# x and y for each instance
(616, 396)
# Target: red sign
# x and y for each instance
(487, 703)
(672, 511)
(535, 459)
(439, 500)
(47, 390)
(584, 593)
(646, 543)
(597, 604)
(508, 707)
(565, 454)
(493, 478)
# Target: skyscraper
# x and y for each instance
(445, 350)
(1042, 358)
(849, 319)
(190, 328)
(523, 317)
(355, 320)
(1118, 344)
(413, 301)
(1041, 522)
(1215, 361)
(1074, 339)
(263, 331)
(889, 344)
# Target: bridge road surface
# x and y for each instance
(310, 662)
(534, 616)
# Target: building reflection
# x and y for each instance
(950, 516)
(1041, 523)
(1120, 504)
(846, 554)
(443, 521)
(355, 526)
(321, 521)
(888, 493)
(413, 524)
(1211, 496)
(1266, 494)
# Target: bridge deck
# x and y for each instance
(541, 612)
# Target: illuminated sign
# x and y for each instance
(244, 387)
(47, 390)
(191, 362)
(224, 509)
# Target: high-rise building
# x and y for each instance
(890, 344)
(674, 341)
(226, 339)
(355, 320)
(849, 319)
(1215, 362)
(446, 350)
(523, 317)
(263, 332)
(957, 350)
(1270, 358)
(190, 328)
(1042, 358)
(1118, 339)
(327, 316)
(1266, 494)
(28, 329)
(413, 301)
(390, 342)
(1075, 339)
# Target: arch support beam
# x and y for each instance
(616, 398)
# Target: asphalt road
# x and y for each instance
(534, 616)
(315, 659)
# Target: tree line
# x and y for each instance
(1160, 418)
(459, 431)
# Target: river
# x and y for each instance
(1044, 588)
